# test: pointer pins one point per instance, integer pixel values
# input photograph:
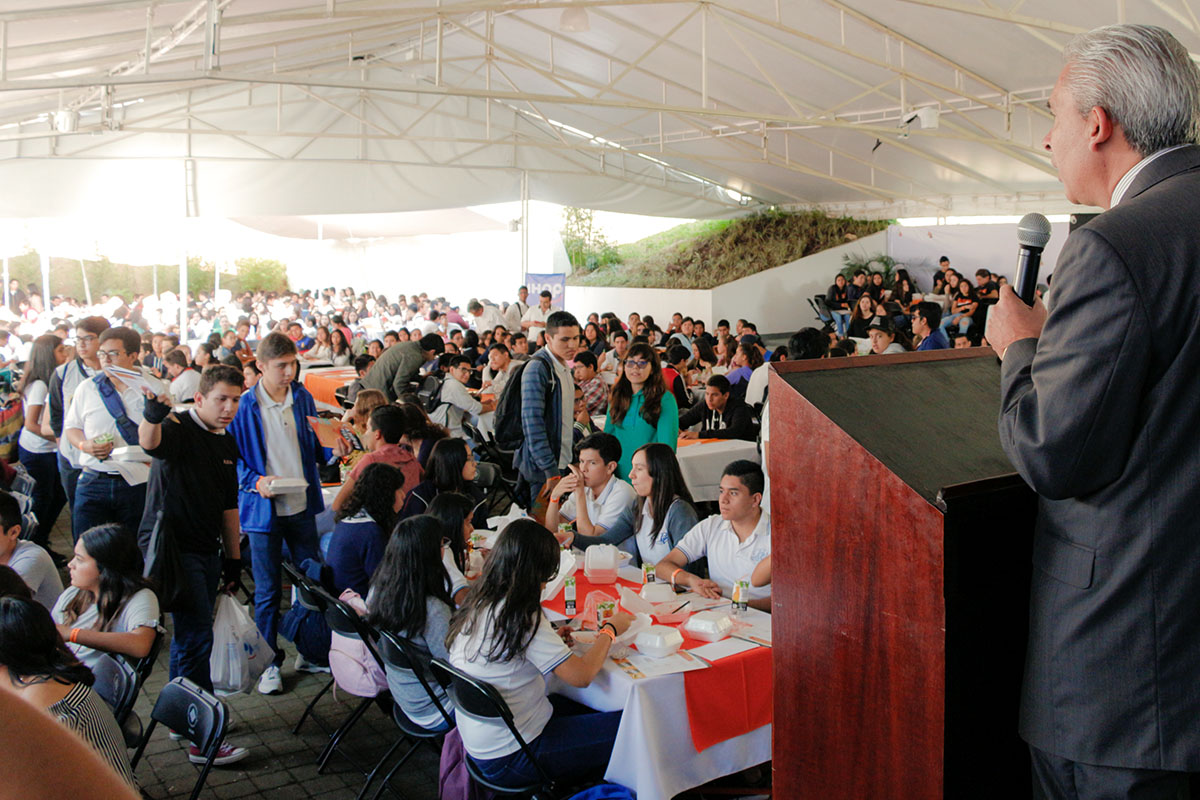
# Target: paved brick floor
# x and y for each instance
(281, 764)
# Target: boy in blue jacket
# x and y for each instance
(275, 441)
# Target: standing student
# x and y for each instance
(641, 409)
(104, 414)
(400, 363)
(63, 384)
(547, 406)
(500, 635)
(37, 450)
(194, 500)
(734, 541)
(275, 441)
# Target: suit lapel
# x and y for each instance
(1166, 166)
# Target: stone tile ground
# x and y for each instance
(281, 764)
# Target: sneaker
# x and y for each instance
(230, 724)
(270, 682)
(227, 754)
(304, 665)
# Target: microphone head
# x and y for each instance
(1033, 231)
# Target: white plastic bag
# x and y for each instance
(239, 653)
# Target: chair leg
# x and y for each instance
(308, 709)
(395, 768)
(378, 766)
(336, 738)
(204, 772)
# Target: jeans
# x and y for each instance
(576, 743)
(192, 643)
(1057, 778)
(48, 495)
(70, 478)
(964, 323)
(842, 320)
(101, 498)
(299, 531)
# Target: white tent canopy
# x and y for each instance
(240, 108)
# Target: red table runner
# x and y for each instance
(730, 698)
(582, 587)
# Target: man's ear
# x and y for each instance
(14, 532)
(1100, 126)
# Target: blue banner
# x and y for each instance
(538, 282)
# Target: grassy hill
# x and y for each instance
(707, 253)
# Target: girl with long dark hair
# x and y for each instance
(37, 450)
(450, 468)
(745, 361)
(663, 512)
(593, 339)
(421, 433)
(410, 597)
(35, 664)
(641, 409)
(963, 304)
(339, 347)
(453, 511)
(108, 607)
(861, 317)
(205, 354)
(321, 349)
(704, 358)
(361, 527)
(501, 636)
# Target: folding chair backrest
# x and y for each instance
(401, 653)
(196, 714)
(117, 682)
(476, 435)
(343, 619)
(304, 589)
(823, 310)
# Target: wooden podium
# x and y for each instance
(901, 542)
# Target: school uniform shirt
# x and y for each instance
(36, 568)
(140, 610)
(535, 314)
(457, 405)
(283, 448)
(604, 509)
(184, 387)
(521, 681)
(729, 560)
(355, 550)
(36, 394)
(89, 414)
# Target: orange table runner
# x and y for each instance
(688, 442)
(582, 587)
(730, 698)
(324, 385)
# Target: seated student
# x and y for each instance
(663, 512)
(29, 560)
(674, 369)
(362, 365)
(450, 469)
(498, 370)
(37, 666)
(582, 427)
(885, 339)
(605, 497)
(964, 302)
(734, 541)
(362, 527)
(367, 401)
(185, 381)
(108, 608)
(385, 430)
(500, 635)
(420, 432)
(721, 415)
(411, 597)
(926, 324)
(746, 359)
(453, 512)
(457, 403)
(595, 391)
(860, 317)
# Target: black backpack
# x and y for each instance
(430, 392)
(506, 422)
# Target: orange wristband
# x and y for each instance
(673, 574)
(612, 637)
(74, 635)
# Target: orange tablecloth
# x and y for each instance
(323, 385)
(582, 587)
(730, 698)
(687, 442)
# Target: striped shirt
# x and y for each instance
(84, 712)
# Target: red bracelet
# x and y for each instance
(612, 637)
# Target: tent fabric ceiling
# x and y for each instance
(672, 107)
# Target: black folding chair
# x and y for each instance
(478, 698)
(117, 683)
(498, 472)
(345, 620)
(400, 653)
(312, 599)
(187, 709)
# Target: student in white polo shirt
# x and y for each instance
(457, 403)
(735, 541)
(605, 496)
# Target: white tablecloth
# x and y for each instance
(702, 464)
(653, 754)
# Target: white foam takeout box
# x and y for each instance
(658, 641)
(709, 626)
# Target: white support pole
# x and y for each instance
(524, 225)
(183, 307)
(7, 298)
(87, 290)
(45, 279)
(216, 280)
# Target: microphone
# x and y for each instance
(1033, 231)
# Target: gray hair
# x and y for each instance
(1143, 77)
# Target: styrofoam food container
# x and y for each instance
(657, 592)
(709, 626)
(658, 641)
(600, 562)
(288, 485)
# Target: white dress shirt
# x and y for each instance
(729, 559)
(89, 414)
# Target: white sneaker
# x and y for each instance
(270, 682)
(304, 665)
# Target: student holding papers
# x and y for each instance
(501, 636)
(735, 541)
(105, 412)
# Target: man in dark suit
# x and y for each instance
(1100, 411)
